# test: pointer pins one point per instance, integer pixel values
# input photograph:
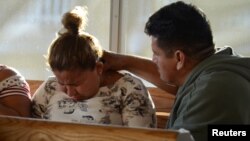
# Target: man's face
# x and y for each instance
(166, 65)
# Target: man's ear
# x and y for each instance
(99, 67)
(180, 59)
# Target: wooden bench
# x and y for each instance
(29, 129)
(163, 104)
(163, 101)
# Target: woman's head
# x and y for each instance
(74, 57)
(74, 48)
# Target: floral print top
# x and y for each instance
(126, 103)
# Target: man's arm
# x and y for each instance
(140, 66)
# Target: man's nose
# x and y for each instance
(154, 59)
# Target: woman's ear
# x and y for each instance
(99, 67)
(180, 58)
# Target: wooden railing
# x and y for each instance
(28, 129)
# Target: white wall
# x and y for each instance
(28, 26)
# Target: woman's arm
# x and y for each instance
(140, 66)
(138, 108)
(14, 98)
(15, 105)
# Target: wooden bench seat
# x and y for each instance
(163, 101)
(29, 129)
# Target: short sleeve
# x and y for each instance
(14, 85)
(138, 108)
(41, 98)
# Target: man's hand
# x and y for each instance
(112, 61)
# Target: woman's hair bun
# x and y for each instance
(75, 20)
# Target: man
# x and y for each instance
(213, 84)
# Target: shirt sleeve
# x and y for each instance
(14, 85)
(138, 108)
(41, 98)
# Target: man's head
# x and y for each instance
(183, 34)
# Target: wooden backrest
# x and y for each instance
(34, 84)
(163, 104)
(28, 129)
(163, 101)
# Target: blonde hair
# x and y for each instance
(74, 48)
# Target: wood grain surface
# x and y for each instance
(28, 129)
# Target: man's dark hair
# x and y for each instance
(181, 26)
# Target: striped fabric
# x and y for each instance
(14, 85)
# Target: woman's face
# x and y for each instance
(80, 84)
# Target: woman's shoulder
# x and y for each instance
(121, 79)
(6, 72)
(46, 89)
(50, 85)
(110, 78)
(132, 79)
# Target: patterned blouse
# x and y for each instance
(13, 85)
(126, 103)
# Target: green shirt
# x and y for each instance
(215, 92)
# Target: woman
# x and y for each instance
(80, 91)
(14, 93)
